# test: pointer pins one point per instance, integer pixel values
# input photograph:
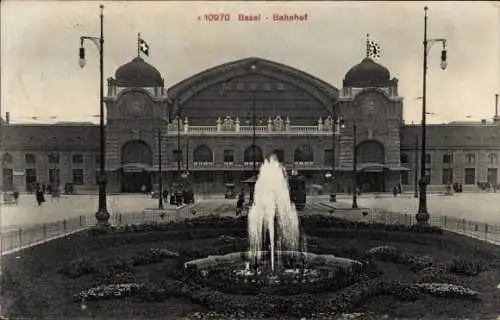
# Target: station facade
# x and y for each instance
(212, 126)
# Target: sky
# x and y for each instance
(40, 40)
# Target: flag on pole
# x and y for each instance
(142, 46)
(372, 48)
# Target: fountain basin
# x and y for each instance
(295, 272)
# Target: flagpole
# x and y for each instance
(367, 45)
(138, 44)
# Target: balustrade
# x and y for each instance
(229, 125)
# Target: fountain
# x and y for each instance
(276, 262)
(272, 214)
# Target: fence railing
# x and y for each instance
(25, 236)
(479, 230)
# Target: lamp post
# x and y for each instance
(422, 215)
(450, 173)
(178, 145)
(102, 215)
(415, 174)
(337, 123)
(354, 169)
(160, 173)
(254, 147)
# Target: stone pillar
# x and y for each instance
(186, 124)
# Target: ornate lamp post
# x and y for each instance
(423, 215)
(102, 214)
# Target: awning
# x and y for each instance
(374, 167)
(252, 179)
(136, 167)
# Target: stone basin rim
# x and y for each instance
(244, 256)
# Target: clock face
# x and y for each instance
(135, 106)
(370, 105)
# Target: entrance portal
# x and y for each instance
(371, 181)
(138, 155)
(133, 181)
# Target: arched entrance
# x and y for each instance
(371, 157)
(136, 158)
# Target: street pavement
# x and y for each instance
(27, 212)
(481, 207)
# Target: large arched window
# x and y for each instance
(228, 156)
(29, 158)
(7, 158)
(303, 154)
(136, 151)
(370, 151)
(203, 154)
(250, 152)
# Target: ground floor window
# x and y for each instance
(428, 175)
(78, 177)
(30, 176)
(470, 175)
(54, 177)
(228, 177)
(405, 177)
(328, 157)
(203, 177)
(8, 179)
(447, 176)
(493, 175)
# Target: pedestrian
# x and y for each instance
(15, 194)
(395, 191)
(143, 189)
(39, 196)
(240, 202)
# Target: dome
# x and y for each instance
(367, 73)
(138, 73)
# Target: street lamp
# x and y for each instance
(102, 215)
(337, 123)
(179, 152)
(415, 175)
(423, 215)
(354, 169)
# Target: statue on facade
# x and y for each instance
(278, 124)
(328, 123)
(320, 124)
(287, 124)
(219, 124)
(228, 124)
(237, 124)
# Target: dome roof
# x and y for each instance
(367, 73)
(138, 73)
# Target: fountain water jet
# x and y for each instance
(272, 213)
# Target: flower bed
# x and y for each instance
(265, 305)
(88, 265)
(391, 254)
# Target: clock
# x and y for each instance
(370, 105)
(135, 106)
